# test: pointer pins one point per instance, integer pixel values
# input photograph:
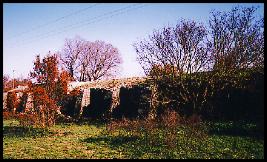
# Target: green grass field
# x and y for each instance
(87, 140)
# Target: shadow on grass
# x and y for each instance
(96, 123)
(84, 121)
(18, 131)
(113, 141)
(130, 145)
(237, 129)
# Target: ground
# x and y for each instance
(87, 140)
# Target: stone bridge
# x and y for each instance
(114, 86)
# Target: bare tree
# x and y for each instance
(178, 52)
(237, 39)
(183, 47)
(98, 60)
(88, 61)
(70, 54)
(6, 79)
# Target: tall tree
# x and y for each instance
(49, 77)
(46, 73)
(170, 56)
(99, 60)
(183, 47)
(237, 39)
(87, 61)
(6, 79)
(70, 53)
(48, 90)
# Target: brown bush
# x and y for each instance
(27, 119)
(170, 119)
(8, 115)
(48, 92)
(44, 110)
(12, 102)
(163, 130)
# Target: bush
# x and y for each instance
(238, 96)
(163, 130)
(28, 120)
(44, 110)
(214, 95)
(12, 102)
(8, 115)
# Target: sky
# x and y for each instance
(30, 29)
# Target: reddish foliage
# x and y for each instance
(27, 119)
(46, 72)
(44, 109)
(47, 93)
(62, 86)
(8, 115)
(168, 70)
(12, 102)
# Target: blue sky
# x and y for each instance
(31, 29)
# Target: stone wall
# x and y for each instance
(4, 100)
(134, 102)
(100, 104)
(112, 88)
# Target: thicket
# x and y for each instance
(234, 96)
(208, 71)
(14, 105)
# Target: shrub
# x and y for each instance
(44, 110)
(12, 102)
(213, 95)
(8, 115)
(48, 91)
(163, 130)
(230, 89)
(28, 120)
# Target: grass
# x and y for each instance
(87, 140)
